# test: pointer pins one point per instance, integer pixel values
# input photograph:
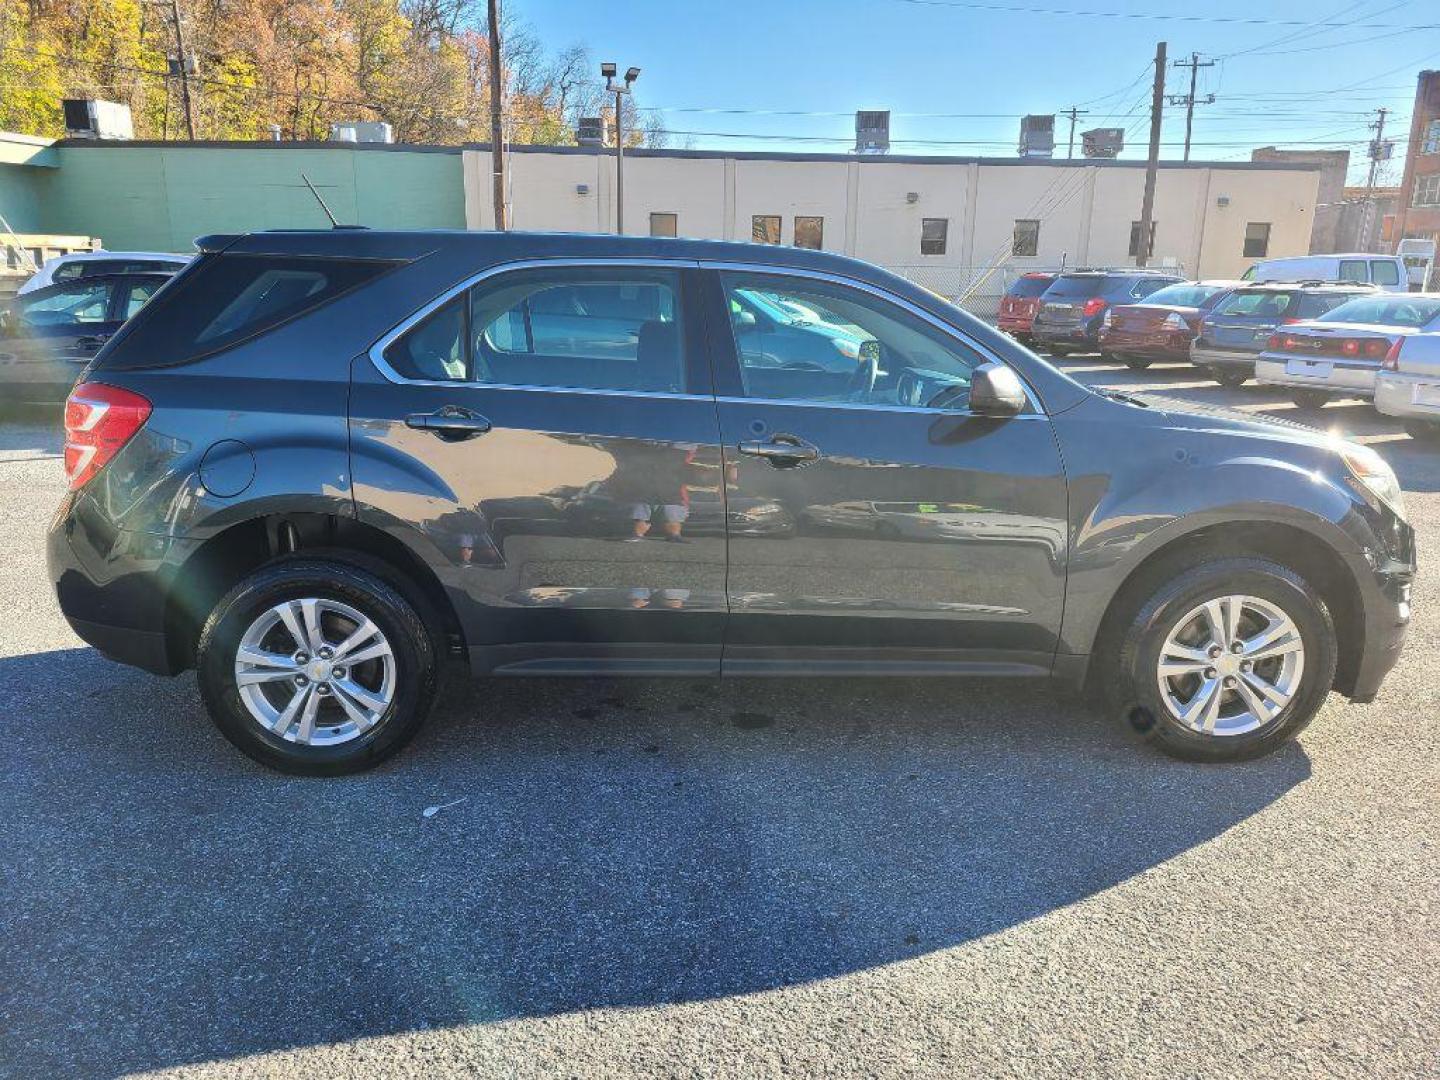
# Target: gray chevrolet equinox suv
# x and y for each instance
(320, 466)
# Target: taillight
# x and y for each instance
(1288, 322)
(1093, 307)
(1280, 342)
(1392, 357)
(99, 420)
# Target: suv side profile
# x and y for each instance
(322, 465)
(1072, 310)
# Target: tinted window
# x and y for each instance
(1184, 295)
(1353, 270)
(434, 349)
(1076, 286)
(1146, 286)
(828, 355)
(1313, 305)
(1260, 303)
(1027, 237)
(1027, 287)
(71, 306)
(934, 233)
(226, 299)
(1384, 272)
(595, 329)
(1257, 240)
(1385, 311)
(66, 271)
(137, 294)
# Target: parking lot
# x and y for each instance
(688, 879)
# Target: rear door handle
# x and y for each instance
(451, 423)
(782, 451)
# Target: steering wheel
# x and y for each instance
(867, 370)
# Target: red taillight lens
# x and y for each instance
(1349, 347)
(1093, 307)
(1287, 322)
(1392, 357)
(1374, 348)
(99, 420)
(1282, 342)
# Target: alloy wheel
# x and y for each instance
(315, 672)
(1230, 665)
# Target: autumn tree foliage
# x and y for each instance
(301, 65)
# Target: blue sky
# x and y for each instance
(818, 60)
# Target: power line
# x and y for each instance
(1225, 20)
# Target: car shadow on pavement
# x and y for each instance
(599, 844)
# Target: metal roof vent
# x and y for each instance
(872, 131)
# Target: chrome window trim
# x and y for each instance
(377, 350)
(884, 294)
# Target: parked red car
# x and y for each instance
(1163, 326)
(1017, 306)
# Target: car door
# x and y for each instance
(50, 334)
(916, 535)
(546, 438)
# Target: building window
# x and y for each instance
(1257, 239)
(664, 224)
(1430, 144)
(1427, 190)
(765, 228)
(933, 231)
(1135, 240)
(810, 232)
(1027, 237)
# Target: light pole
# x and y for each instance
(618, 89)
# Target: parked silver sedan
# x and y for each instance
(1408, 385)
(1344, 351)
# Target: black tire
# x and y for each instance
(1422, 431)
(1310, 400)
(293, 578)
(1135, 690)
(1130, 360)
(1231, 380)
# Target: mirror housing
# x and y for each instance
(995, 390)
(745, 320)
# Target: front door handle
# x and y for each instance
(451, 423)
(782, 451)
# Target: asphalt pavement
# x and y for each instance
(687, 879)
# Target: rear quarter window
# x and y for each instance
(226, 299)
(1316, 304)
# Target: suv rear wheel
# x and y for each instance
(318, 667)
(1226, 661)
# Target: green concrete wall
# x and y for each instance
(22, 189)
(151, 198)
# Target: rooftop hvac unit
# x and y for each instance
(591, 131)
(86, 118)
(1102, 142)
(872, 132)
(1037, 136)
(366, 131)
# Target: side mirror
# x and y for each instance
(745, 320)
(995, 390)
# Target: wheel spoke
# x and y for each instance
(1277, 639)
(1202, 709)
(254, 665)
(1173, 668)
(363, 633)
(363, 717)
(1193, 653)
(370, 652)
(1257, 705)
(310, 610)
(1215, 620)
(362, 697)
(286, 718)
(307, 719)
(289, 616)
(1271, 693)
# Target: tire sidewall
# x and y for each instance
(292, 580)
(1140, 656)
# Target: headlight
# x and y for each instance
(1369, 471)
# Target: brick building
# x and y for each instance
(1419, 209)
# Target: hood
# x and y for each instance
(1201, 417)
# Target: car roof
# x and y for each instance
(98, 256)
(93, 279)
(1314, 286)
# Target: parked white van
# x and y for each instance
(1386, 271)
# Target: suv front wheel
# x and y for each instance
(1226, 661)
(317, 667)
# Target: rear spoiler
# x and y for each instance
(215, 242)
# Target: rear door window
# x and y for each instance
(1384, 272)
(227, 299)
(74, 305)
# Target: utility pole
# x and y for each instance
(1189, 100)
(497, 125)
(185, 68)
(1147, 203)
(1072, 113)
(1377, 149)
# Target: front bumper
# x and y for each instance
(1385, 602)
(1408, 396)
(1331, 376)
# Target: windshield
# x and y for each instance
(1385, 311)
(1184, 295)
(1076, 286)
